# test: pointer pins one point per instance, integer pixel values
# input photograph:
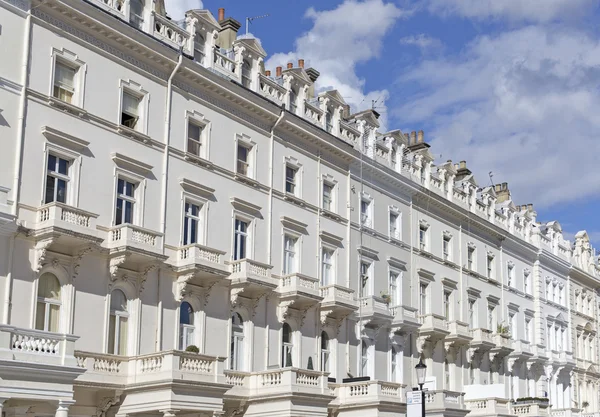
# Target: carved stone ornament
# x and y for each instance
(77, 260)
(472, 355)
(106, 403)
(283, 310)
(115, 263)
(424, 345)
(41, 249)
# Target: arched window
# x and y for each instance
(364, 359)
(394, 369)
(246, 74)
(287, 347)
(48, 303)
(136, 17)
(186, 325)
(325, 352)
(117, 326)
(237, 342)
(446, 374)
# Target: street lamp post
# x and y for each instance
(421, 370)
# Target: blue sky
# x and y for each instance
(510, 86)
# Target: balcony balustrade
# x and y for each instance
(302, 290)
(338, 301)
(405, 319)
(251, 278)
(375, 394)
(443, 399)
(70, 226)
(374, 310)
(205, 263)
(487, 407)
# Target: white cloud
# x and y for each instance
(522, 104)
(528, 10)
(176, 8)
(422, 42)
(340, 39)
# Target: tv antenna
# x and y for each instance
(491, 174)
(250, 19)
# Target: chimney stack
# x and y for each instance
(463, 164)
(290, 65)
(228, 32)
(268, 73)
(278, 71)
(502, 192)
(413, 138)
(301, 63)
(530, 207)
(420, 136)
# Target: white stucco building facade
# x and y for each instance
(161, 191)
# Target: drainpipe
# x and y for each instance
(22, 108)
(270, 214)
(163, 206)
(18, 163)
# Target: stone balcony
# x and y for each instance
(368, 397)
(562, 358)
(405, 319)
(135, 242)
(251, 279)
(488, 407)
(338, 301)
(440, 400)
(37, 365)
(459, 333)
(147, 369)
(521, 349)
(283, 391)
(503, 345)
(569, 412)
(374, 311)
(67, 226)
(482, 339)
(179, 380)
(530, 408)
(203, 264)
(433, 327)
(299, 291)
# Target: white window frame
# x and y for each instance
(285, 346)
(70, 59)
(183, 329)
(447, 241)
(202, 218)
(198, 119)
(528, 329)
(490, 266)
(395, 211)
(134, 89)
(368, 288)
(472, 262)
(130, 322)
(296, 166)
(366, 219)
(332, 279)
(138, 196)
(447, 304)
(424, 298)
(325, 354)
(423, 236)
(510, 274)
(331, 182)
(287, 234)
(238, 343)
(472, 314)
(395, 295)
(246, 142)
(249, 229)
(491, 317)
(527, 281)
(49, 302)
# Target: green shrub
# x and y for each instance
(192, 348)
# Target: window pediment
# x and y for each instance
(245, 206)
(131, 164)
(197, 189)
(294, 224)
(64, 139)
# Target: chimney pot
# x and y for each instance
(290, 65)
(530, 207)
(505, 186)
(268, 73)
(497, 187)
(221, 14)
(278, 71)
(449, 160)
(463, 164)
(301, 63)
(413, 137)
(420, 136)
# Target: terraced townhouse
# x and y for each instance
(185, 233)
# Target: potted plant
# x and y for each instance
(386, 297)
(503, 330)
(192, 349)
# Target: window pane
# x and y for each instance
(52, 163)
(111, 334)
(128, 212)
(53, 318)
(186, 314)
(50, 181)
(63, 166)
(61, 191)
(243, 153)
(118, 301)
(193, 231)
(64, 75)
(49, 287)
(130, 104)
(40, 316)
(123, 336)
(119, 213)
(194, 132)
(129, 187)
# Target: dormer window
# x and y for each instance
(136, 13)
(246, 74)
(199, 47)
